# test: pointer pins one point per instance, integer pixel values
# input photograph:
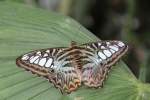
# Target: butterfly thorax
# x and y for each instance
(76, 55)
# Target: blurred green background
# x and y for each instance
(127, 20)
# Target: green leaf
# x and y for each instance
(23, 28)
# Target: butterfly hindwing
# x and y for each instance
(52, 64)
(100, 57)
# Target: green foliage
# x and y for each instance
(23, 28)
(13, 0)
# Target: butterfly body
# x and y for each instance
(68, 68)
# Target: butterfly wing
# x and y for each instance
(53, 65)
(100, 56)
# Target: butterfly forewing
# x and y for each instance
(100, 56)
(46, 63)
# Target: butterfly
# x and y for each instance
(70, 67)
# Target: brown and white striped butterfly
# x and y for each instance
(68, 67)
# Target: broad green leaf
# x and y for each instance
(23, 28)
